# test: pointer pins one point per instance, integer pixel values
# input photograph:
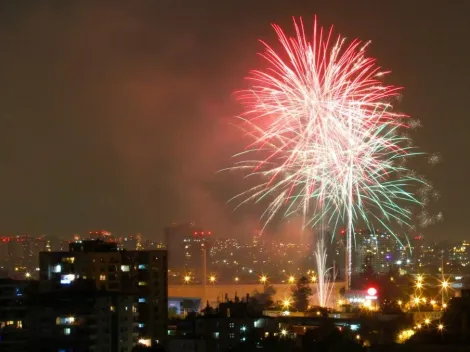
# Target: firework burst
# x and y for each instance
(326, 141)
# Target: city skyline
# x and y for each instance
(122, 127)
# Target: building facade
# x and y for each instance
(12, 315)
(140, 273)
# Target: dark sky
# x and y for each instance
(115, 114)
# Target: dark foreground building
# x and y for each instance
(81, 320)
(13, 294)
(141, 274)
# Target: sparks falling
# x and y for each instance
(326, 276)
(327, 142)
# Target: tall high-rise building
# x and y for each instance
(380, 250)
(188, 247)
(140, 273)
(102, 235)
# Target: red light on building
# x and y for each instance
(372, 291)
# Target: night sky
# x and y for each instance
(116, 114)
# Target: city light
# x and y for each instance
(286, 303)
(212, 279)
(263, 279)
(440, 327)
(284, 332)
(291, 279)
(187, 279)
(405, 335)
(372, 291)
(146, 342)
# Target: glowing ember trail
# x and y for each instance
(327, 143)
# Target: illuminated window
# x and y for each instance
(65, 320)
(231, 325)
(232, 335)
(67, 331)
(67, 279)
(19, 324)
(125, 268)
(57, 268)
(69, 260)
(142, 283)
(142, 300)
(112, 308)
(142, 266)
(215, 335)
(103, 277)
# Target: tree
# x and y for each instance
(265, 298)
(301, 293)
(172, 313)
(208, 310)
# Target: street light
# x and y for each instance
(263, 279)
(291, 279)
(187, 279)
(212, 279)
(284, 332)
(286, 303)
